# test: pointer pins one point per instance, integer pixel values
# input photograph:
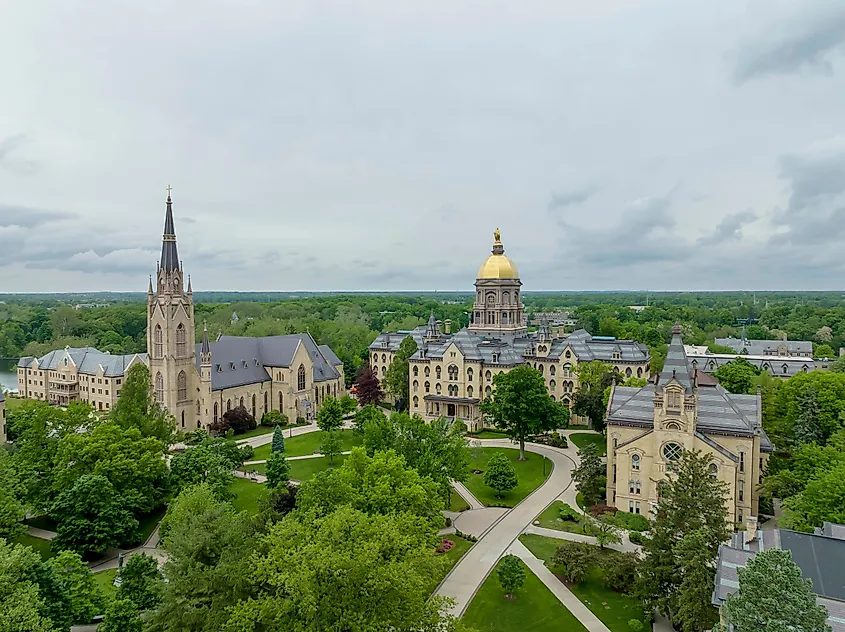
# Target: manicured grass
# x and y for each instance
(528, 472)
(41, 522)
(309, 443)
(457, 502)
(248, 495)
(550, 519)
(489, 434)
(42, 547)
(260, 430)
(13, 403)
(105, 581)
(304, 469)
(452, 557)
(535, 608)
(580, 439)
(612, 608)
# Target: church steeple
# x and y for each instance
(169, 254)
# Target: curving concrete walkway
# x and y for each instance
(626, 546)
(470, 572)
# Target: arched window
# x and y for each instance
(714, 470)
(628, 372)
(469, 374)
(552, 370)
(568, 354)
(228, 405)
(242, 402)
(552, 385)
(281, 402)
(437, 388)
(427, 372)
(265, 401)
(181, 342)
(199, 410)
(416, 401)
(383, 358)
(253, 405)
(215, 412)
(469, 391)
(487, 391)
(427, 387)
(566, 370)
(453, 373)
(553, 398)
(300, 377)
(383, 370)
(182, 386)
(416, 371)
(635, 461)
(158, 344)
(437, 372)
(159, 388)
(488, 376)
(672, 426)
(541, 369)
(784, 368)
(639, 371)
(672, 451)
(416, 386)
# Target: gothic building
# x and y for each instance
(451, 373)
(683, 409)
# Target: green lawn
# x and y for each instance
(452, 557)
(580, 439)
(529, 473)
(612, 608)
(248, 495)
(14, 402)
(260, 430)
(488, 434)
(42, 547)
(535, 608)
(550, 519)
(105, 581)
(457, 502)
(304, 469)
(308, 443)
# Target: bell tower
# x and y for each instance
(170, 332)
(498, 311)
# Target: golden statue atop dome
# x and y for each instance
(497, 236)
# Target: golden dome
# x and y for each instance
(497, 265)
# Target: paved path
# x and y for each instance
(470, 572)
(40, 533)
(296, 458)
(464, 493)
(266, 438)
(477, 521)
(558, 588)
(626, 546)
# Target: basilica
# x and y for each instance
(196, 382)
(451, 373)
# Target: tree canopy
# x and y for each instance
(737, 376)
(396, 379)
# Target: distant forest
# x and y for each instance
(36, 323)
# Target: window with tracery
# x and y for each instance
(182, 386)
(181, 341)
(300, 378)
(158, 344)
(159, 382)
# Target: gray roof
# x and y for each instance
(767, 347)
(239, 360)
(330, 355)
(820, 557)
(169, 254)
(87, 360)
(516, 350)
(676, 366)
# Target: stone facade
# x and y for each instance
(197, 383)
(450, 374)
(683, 409)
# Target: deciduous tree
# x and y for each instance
(348, 404)
(76, 581)
(121, 616)
(589, 475)
(605, 532)
(367, 387)
(737, 376)
(396, 379)
(573, 559)
(278, 470)
(21, 607)
(500, 474)
(137, 408)
(12, 510)
(330, 415)
(140, 581)
(511, 574)
(521, 405)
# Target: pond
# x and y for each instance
(8, 376)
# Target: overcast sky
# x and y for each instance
(376, 145)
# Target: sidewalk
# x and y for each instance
(625, 546)
(464, 493)
(564, 595)
(296, 458)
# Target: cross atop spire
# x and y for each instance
(169, 254)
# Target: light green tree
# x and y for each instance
(21, 606)
(511, 574)
(278, 470)
(121, 616)
(500, 474)
(137, 408)
(604, 531)
(396, 379)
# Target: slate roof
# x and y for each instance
(708, 362)
(87, 360)
(239, 360)
(169, 254)
(763, 347)
(330, 355)
(821, 558)
(516, 350)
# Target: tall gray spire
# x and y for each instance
(676, 367)
(206, 347)
(169, 254)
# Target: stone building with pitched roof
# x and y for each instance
(451, 373)
(197, 383)
(683, 409)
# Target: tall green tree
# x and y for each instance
(365, 414)
(807, 428)
(690, 500)
(278, 470)
(278, 443)
(396, 379)
(140, 581)
(330, 415)
(590, 475)
(694, 611)
(121, 616)
(347, 570)
(500, 474)
(12, 510)
(773, 596)
(593, 380)
(137, 408)
(22, 608)
(786, 406)
(76, 580)
(737, 376)
(823, 499)
(604, 531)
(521, 405)
(92, 516)
(212, 461)
(208, 545)
(511, 574)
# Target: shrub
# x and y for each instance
(630, 521)
(568, 514)
(448, 521)
(602, 509)
(197, 436)
(620, 570)
(239, 420)
(636, 625)
(274, 418)
(636, 537)
(445, 545)
(300, 421)
(573, 559)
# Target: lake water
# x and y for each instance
(8, 376)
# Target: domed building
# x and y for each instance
(451, 373)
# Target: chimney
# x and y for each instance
(448, 326)
(750, 529)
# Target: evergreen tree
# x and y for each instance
(589, 475)
(695, 613)
(691, 500)
(278, 444)
(773, 596)
(396, 378)
(511, 573)
(278, 470)
(500, 474)
(807, 428)
(367, 387)
(139, 581)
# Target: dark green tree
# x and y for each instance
(694, 611)
(500, 474)
(521, 405)
(12, 510)
(737, 376)
(92, 516)
(140, 581)
(121, 616)
(573, 560)
(773, 596)
(81, 598)
(807, 428)
(367, 413)
(278, 470)
(278, 444)
(511, 574)
(594, 378)
(137, 408)
(396, 379)
(590, 475)
(22, 606)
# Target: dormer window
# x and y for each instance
(232, 365)
(495, 358)
(246, 366)
(616, 355)
(219, 368)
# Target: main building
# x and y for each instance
(451, 373)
